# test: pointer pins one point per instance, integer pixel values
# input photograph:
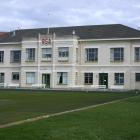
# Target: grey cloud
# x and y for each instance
(43, 13)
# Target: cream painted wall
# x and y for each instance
(129, 66)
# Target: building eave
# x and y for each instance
(11, 43)
(109, 39)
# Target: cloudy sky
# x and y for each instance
(16, 14)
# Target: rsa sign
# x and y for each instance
(45, 40)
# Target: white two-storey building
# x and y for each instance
(97, 56)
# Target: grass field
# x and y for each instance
(118, 121)
(19, 105)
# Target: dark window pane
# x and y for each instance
(1, 56)
(15, 56)
(137, 75)
(91, 54)
(119, 78)
(117, 54)
(88, 78)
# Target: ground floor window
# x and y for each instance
(1, 77)
(30, 77)
(137, 77)
(119, 78)
(15, 76)
(62, 78)
(88, 78)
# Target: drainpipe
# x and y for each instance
(53, 60)
(38, 60)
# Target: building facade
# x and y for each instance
(87, 57)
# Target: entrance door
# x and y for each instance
(103, 79)
(46, 80)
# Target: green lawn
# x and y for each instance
(118, 121)
(19, 105)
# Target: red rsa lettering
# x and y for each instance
(46, 41)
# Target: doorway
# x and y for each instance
(46, 80)
(103, 79)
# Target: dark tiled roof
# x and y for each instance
(83, 32)
(3, 34)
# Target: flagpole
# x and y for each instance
(48, 25)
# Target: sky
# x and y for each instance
(21, 14)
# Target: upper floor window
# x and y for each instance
(1, 56)
(88, 78)
(91, 54)
(137, 77)
(30, 54)
(46, 53)
(15, 56)
(119, 78)
(63, 52)
(15, 76)
(117, 54)
(137, 54)
(62, 78)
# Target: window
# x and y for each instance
(46, 53)
(63, 52)
(15, 76)
(30, 77)
(62, 78)
(30, 54)
(117, 54)
(119, 78)
(15, 56)
(1, 56)
(137, 54)
(137, 75)
(1, 77)
(91, 54)
(89, 78)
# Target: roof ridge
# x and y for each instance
(70, 26)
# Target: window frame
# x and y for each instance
(62, 78)
(88, 78)
(17, 76)
(30, 55)
(137, 79)
(2, 77)
(47, 53)
(33, 77)
(62, 52)
(117, 78)
(91, 52)
(117, 51)
(14, 58)
(1, 56)
(137, 54)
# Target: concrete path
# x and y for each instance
(60, 113)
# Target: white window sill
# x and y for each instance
(62, 84)
(65, 59)
(91, 61)
(46, 60)
(29, 60)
